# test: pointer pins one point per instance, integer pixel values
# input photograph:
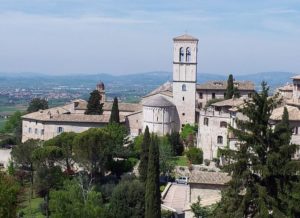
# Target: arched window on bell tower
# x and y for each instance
(183, 87)
(188, 55)
(181, 54)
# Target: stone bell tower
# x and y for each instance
(101, 89)
(185, 77)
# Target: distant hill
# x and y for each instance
(151, 79)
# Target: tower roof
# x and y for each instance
(185, 37)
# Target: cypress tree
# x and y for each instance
(230, 88)
(263, 173)
(152, 196)
(114, 116)
(143, 166)
(94, 107)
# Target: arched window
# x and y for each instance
(220, 139)
(183, 88)
(188, 55)
(205, 121)
(181, 54)
(223, 124)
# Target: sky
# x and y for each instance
(134, 36)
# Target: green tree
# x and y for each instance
(230, 88)
(48, 174)
(64, 141)
(152, 196)
(188, 134)
(92, 151)
(143, 166)
(128, 200)
(9, 190)
(22, 154)
(200, 211)
(94, 106)
(176, 143)
(37, 104)
(114, 116)
(166, 164)
(14, 125)
(262, 169)
(195, 155)
(72, 200)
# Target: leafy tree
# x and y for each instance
(176, 143)
(128, 200)
(94, 106)
(22, 154)
(166, 164)
(65, 142)
(114, 116)
(200, 211)
(48, 176)
(195, 155)
(75, 201)
(14, 125)
(152, 196)
(37, 104)
(92, 150)
(262, 169)
(188, 134)
(9, 190)
(143, 166)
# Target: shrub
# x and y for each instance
(195, 155)
(206, 162)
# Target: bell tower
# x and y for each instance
(185, 77)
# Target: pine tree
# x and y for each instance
(152, 196)
(143, 166)
(94, 106)
(230, 88)
(114, 116)
(262, 170)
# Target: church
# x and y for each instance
(164, 110)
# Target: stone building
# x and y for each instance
(217, 90)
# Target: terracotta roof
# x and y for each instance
(185, 37)
(80, 104)
(222, 85)
(213, 178)
(164, 89)
(126, 107)
(158, 101)
(294, 113)
(233, 102)
(287, 87)
(296, 77)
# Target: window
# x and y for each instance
(213, 95)
(29, 130)
(220, 139)
(223, 124)
(42, 132)
(205, 121)
(188, 55)
(182, 98)
(201, 95)
(60, 129)
(183, 88)
(295, 130)
(249, 95)
(35, 131)
(200, 105)
(181, 54)
(224, 94)
(183, 114)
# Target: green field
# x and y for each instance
(8, 110)
(180, 161)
